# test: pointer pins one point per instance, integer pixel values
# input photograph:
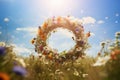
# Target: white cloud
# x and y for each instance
(101, 61)
(88, 20)
(92, 34)
(61, 40)
(0, 32)
(20, 49)
(62, 46)
(100, 22)
(28, 29)
(6, 20)
(65, 32)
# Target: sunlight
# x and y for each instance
(57, 3)
(53, 7)
(58, 6)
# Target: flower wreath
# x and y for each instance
(70, 23)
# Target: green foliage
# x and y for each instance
(113, 65)
(39, 68)
(113, 69)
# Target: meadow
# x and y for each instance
(105, 66)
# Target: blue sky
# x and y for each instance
(27, 15)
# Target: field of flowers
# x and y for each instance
(105, 66)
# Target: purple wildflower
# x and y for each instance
(77, 29)
(80, 42)
(19, 70)
(2, 50)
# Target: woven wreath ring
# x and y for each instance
(70, 23)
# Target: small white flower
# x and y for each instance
(84, 75)
(71, 18)
(68, 69)
(79, 39)
(39, 55)
(76, 73)
(57, 70)
(21, 61)
(2, 44)
(79, 49)
(101, 61)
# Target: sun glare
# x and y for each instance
(56, 3)
(54, 7)
(58, 6)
